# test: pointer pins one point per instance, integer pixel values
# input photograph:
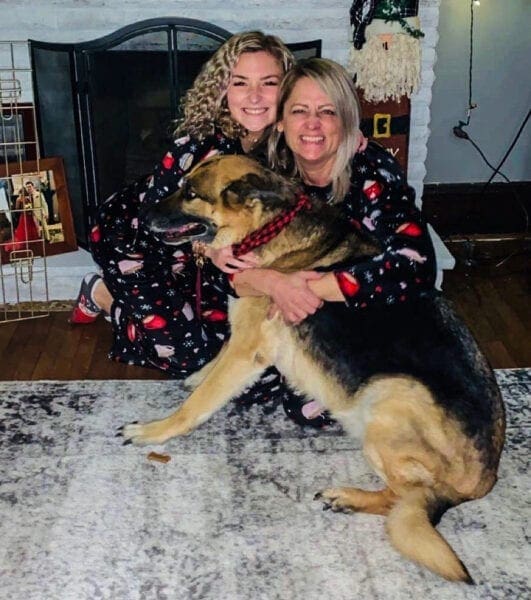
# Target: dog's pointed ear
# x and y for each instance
(269, 189)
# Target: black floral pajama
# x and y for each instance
(154, 316)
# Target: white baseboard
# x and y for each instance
(445, 261)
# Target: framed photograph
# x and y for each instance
(17, 132)
(35, 212)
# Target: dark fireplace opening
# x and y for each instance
(108, 106)
(132, 122)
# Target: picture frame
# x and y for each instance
(18, 140)
(35, 211)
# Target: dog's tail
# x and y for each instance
(410, 525)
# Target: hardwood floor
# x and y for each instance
(493, 301)
(51, 348)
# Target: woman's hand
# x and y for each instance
(290, 293)
(292, 296)
(225, 260)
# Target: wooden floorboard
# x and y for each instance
(493, 302)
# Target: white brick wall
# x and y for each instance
(82, 20)
(421, 101)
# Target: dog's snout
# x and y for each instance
(174, 226)
(162, 214)
(152, 215)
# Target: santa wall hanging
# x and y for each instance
(385, 63)
(385, 55)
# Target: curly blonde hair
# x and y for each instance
(204, 105)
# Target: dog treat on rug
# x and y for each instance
(163, 458)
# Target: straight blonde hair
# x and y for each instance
(337, 84)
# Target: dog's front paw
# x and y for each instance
(141, 434)
(335, 499)
(157, 432)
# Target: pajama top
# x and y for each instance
(381, 202)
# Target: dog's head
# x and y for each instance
(226, 197)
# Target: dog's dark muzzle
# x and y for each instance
(174, 227)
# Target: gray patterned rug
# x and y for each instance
(231, 516)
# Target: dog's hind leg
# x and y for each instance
(346, 499)
(425, 458)
(427, 463)
(229, 376)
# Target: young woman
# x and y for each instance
(26, 225)
(149, 289)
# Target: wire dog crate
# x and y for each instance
(24, 208)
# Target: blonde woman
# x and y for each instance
(148, 288)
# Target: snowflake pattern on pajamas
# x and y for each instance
(153, 284)
(381, 202)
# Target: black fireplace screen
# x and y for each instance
(107, 106)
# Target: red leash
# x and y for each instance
(199, 262)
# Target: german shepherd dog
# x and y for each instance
(408, 380)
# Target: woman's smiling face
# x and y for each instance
(253, 90)
(311, 127)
